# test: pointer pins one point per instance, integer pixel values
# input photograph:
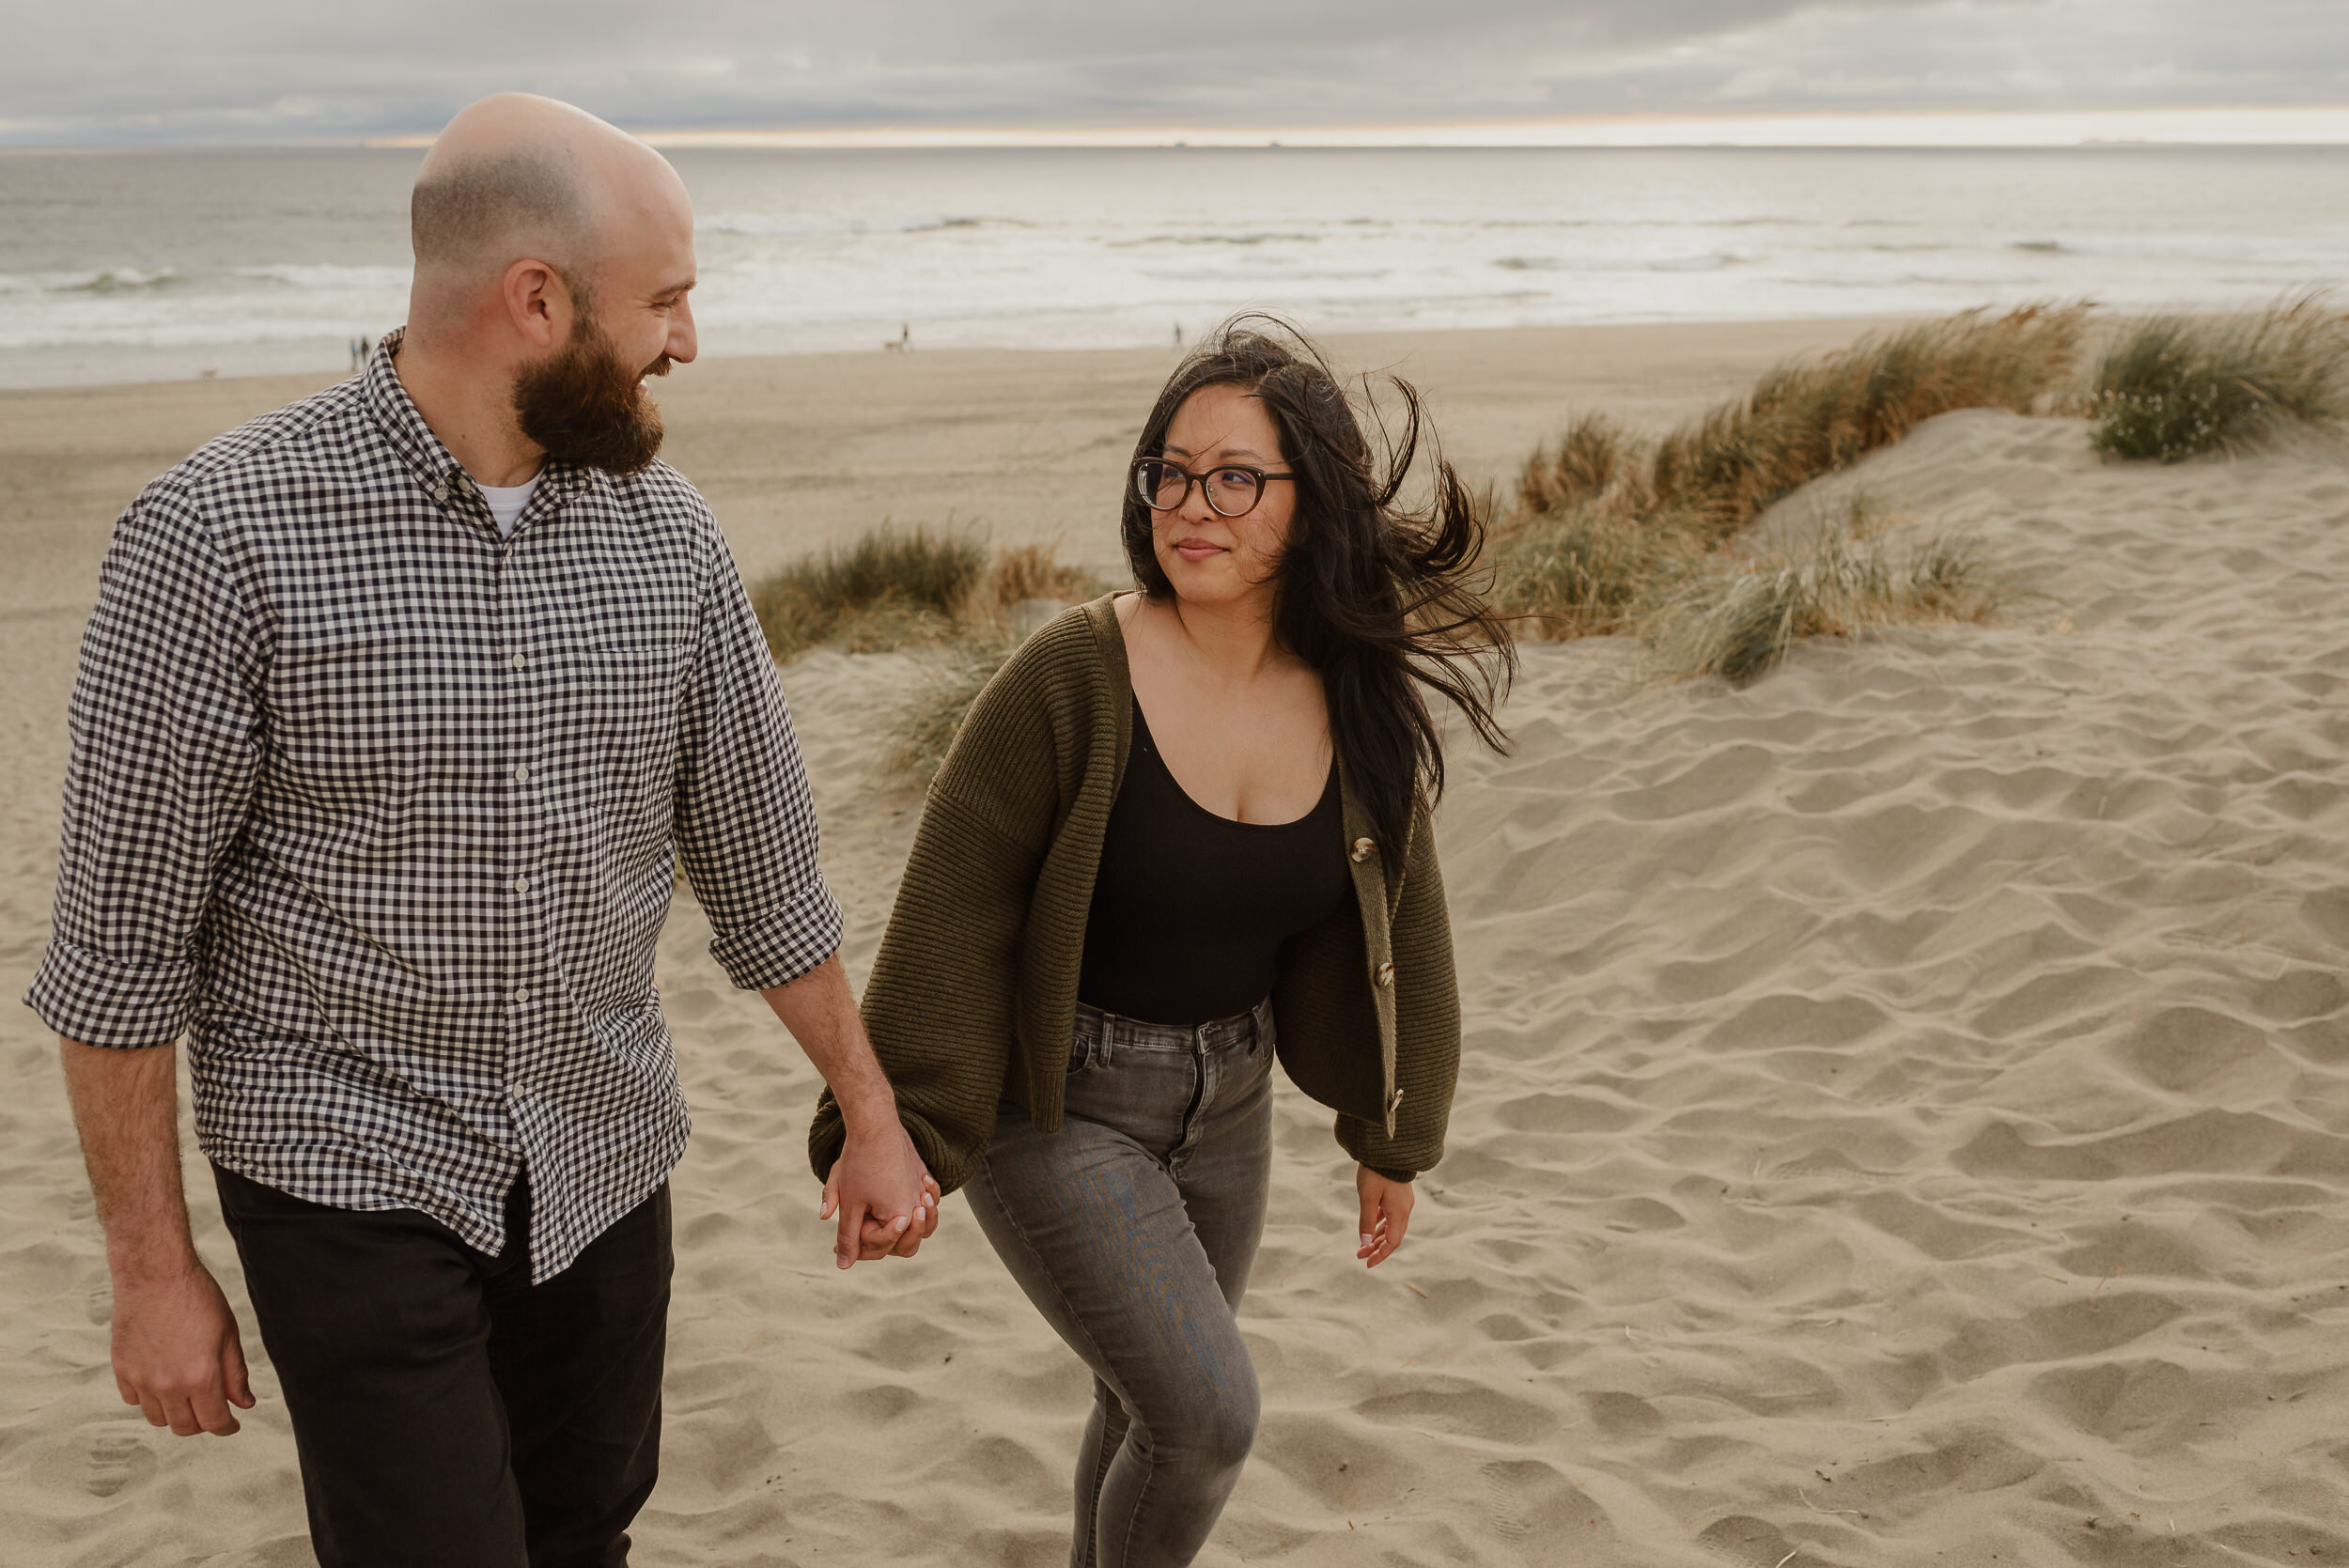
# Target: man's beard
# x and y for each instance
(584, 405)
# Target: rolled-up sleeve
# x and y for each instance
(745, 821)
(167, 741)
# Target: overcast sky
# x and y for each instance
(266, 70)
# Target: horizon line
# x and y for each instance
(2205, 126)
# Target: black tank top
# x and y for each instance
(1189, 909)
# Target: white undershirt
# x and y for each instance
(507, 500)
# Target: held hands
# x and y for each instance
(1386, 1215)
(176, 1352)
(886, 1200)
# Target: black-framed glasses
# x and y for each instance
(1232, 489)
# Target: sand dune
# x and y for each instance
(1903, 1124)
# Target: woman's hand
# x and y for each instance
(876, 1237)
(1386, 1215)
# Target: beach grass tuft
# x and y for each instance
(1735, 617)
(1616, 536)
(2174, 387)
(889, 588)
(910, 588)
(945, 593)
(938, 698)
(1028, 573)
(1583, 569)
(1816, 417)
(1596, 461)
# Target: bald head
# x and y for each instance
(517, 177)
(554, 266)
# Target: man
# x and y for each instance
(399, 707)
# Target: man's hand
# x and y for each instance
(1386, 1215)
(884, 1196)
(176, 1352)
(880, 1191)
(878, 1238)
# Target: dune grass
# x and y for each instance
(1583, 569)
(1613, 534)
(934, 704)
(2174, 387)
(888, 589)
(946, 593)
(1714, 475)
(900, 588)
(1735, 617)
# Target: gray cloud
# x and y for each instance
(278, 70)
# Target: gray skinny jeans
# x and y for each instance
(1132, 1230)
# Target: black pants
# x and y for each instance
(448, 1413)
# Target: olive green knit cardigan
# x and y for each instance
(973, 994)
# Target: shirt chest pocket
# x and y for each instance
(634, 623)
(632, 694)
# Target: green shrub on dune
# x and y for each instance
(2176, 387)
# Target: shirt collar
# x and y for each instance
(435, 469)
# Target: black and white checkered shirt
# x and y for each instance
(383, 811)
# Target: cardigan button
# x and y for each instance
(1384, 975)
(1361, 850)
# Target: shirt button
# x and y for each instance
(522, 773)
(1361, 850)
(522, 993)
(440, 491)
(518, 661)
(1385, 975)
(522, 884)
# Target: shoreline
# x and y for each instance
(118, 366)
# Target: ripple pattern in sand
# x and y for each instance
(1903, 1125)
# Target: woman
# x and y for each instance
(1180, 831)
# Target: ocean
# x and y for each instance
(136, 265)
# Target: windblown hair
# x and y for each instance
(1383, 601)
(461, 218)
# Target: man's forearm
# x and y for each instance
(820, 1012)
(885, 1201)
(125, 1107)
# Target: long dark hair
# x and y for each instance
(1381, 600)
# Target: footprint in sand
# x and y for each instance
(114, 1462)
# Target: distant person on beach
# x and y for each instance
(1182, 831)
(398, 709)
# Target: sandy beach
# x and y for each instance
(1905, 1116)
